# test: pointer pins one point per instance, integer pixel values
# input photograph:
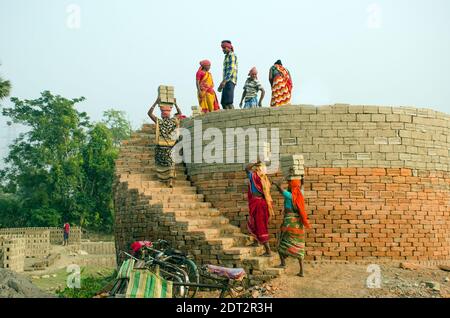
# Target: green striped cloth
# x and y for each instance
(125, 269)
(145, 284)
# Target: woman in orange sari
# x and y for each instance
(281, 83)
(205, 88)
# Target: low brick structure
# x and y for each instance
(12, 253)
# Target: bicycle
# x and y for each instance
(183, 272)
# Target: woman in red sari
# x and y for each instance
(260, 204)
(207, 97)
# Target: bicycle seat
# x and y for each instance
(230, 273)
(176, 252)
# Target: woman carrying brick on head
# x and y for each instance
(260, 204)
(251, 88)
(292, 241)
(207, 97)
(166, 138)
(281, 82)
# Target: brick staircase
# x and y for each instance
(147, 209)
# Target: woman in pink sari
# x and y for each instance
(205, 88)
(260, 204)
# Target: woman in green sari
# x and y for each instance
(292, 240)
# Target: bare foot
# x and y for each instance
(267, 254)
(300, 275)
(281, 266)
(255, 244)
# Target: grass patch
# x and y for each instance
(90, 285)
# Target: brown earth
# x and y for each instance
(328, 280)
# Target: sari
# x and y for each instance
(292, 240)
(166, 138)
(281, 86)
(260, 207)
(208, 99)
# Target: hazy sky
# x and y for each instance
(387, 52)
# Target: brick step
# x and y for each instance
(187, 198)
(201, 222)
(197, 213)
(244, 252)
(161, 189)
(261, 262)
(274, 271)
(142, 174)
(214, 233)
(152, 183)
(143, 134)
(180, 205)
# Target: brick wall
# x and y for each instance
(38, 239)
(12, 253)
(377, 178)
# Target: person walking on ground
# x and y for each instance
(292, 241)
(260, 204)
(281, 82)
(207, 97)
(66, 231)
(251, 88)
(230, 70)
(166, 138)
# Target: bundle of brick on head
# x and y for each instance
(293, 167)
(166, 98)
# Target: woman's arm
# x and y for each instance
(178, 109)
(279, 186)
(263, 93)
(150, 111)
(270, 77)
(243, 96)
(198, 87)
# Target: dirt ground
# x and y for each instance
(324, 280)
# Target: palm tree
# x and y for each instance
(5, 88)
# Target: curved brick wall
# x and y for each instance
(377, 178)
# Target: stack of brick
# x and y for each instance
(12, 253)
(57, 236)
(98, 248)
(166, 95)
(293, 166)
(195, 111)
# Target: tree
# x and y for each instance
(44, 164)
(117, 123)
(5, 88)
(62, 168)
(99, 157)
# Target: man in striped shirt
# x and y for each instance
(230, 66)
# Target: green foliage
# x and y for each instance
(5, 88)
(62, 168)
(90, 286)
(98, 167)
(117, 123)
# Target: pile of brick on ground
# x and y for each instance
(16, 244)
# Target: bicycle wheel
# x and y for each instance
(193, 274)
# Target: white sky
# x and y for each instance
(387, 52)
